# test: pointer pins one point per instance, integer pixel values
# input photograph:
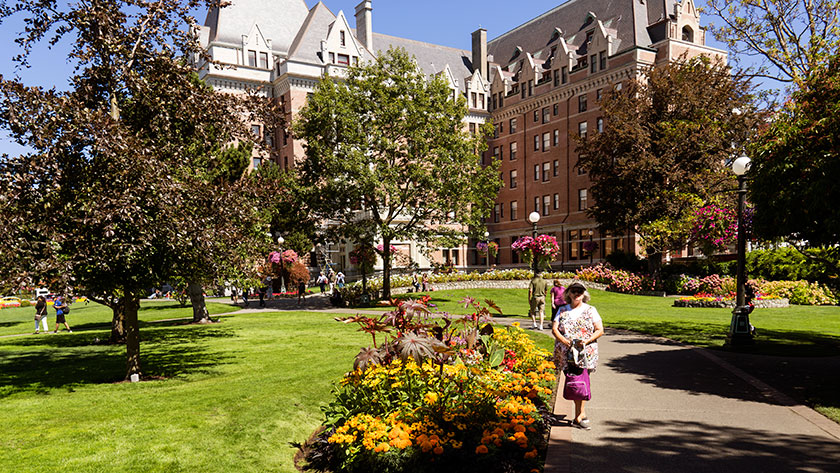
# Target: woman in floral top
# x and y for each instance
(581, 326)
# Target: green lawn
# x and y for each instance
(90, 315)
(231, 396)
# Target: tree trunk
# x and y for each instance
(117, 324)
(654, 263)
(386, 268)
(132, 334)
(200, 314)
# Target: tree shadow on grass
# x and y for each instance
(641, 446)
(767, 342)
(42, 364)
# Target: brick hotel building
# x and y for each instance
(539, 83)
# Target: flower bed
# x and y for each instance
(617, 280)
(438, 395)
(762, 301)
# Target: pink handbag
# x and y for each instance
(576, 387)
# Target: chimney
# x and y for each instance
(364, 30)
(479, 52)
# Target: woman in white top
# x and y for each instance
(582, 325)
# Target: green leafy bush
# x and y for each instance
(799, 292)
(787, 264)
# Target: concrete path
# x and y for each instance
(660, 406)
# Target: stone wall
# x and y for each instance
(517, 284)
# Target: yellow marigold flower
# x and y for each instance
(430, 398)
(531, 454)
(457, 444)
(481, 449)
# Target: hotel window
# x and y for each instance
(556, 77)
(264, 60)
(285, 162)
(556, 201)
(618, 86)
(344, 59)
(556, 171)
(252, 58)
(496, 213)
(556, 137)
(530, 87)
(493, 102)
(343, 38)
(546, 114)
(269, 138)
(513, 179)
(599, 94)
(537, 204)
(593, 63)
(589, 37)
(501, 129)
(501, 99)
(256, 163)
(536, 172)
(602, 58)
(501, 152)
(536, 116)
(474, 101)
(582, 130)
(355, 63)
(536, 142)
(599, 124)
(564, 74)
(573, 244)
(285, 137)
(495, 150)
(546, 171)
(332, 58)
(546, 141)
(512, 125)
(481, 101)
(582, 196)
(513, 208)
(255, 130)
(580, 169)
(513, 151)
(556, 109)
(524, 91)
(582, 103)
(472, 130)
(546, 204)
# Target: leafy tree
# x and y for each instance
(116, 177)
(783, 40)
(388, 155)
(796, 166)
(662, 153)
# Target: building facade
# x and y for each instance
(539, 83)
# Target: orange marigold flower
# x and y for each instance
(481, 449)
(438, 450)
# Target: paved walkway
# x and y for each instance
(660, 406)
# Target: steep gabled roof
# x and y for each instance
(627, 18)
(432, 58)
(307, 43)
(279, 21)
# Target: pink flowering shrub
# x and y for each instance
(544, 247)
(618, 280)
(714, 228)
(289, 257)
(713, 284)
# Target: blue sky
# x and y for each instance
(447, 23)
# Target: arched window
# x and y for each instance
(687, 34)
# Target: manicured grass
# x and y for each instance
(231, 396)
(90, 315)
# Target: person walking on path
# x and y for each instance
(41, 315)
(537, 290)
(425, 282)
(322, 282)
(558, 299)
(301, 291)
(577, 330)
(61, 311)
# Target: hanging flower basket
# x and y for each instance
(544, 248)
(487, 248)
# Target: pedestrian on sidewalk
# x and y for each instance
(301, 291)
(41, 315)
(322, 282)
(577, 331)
(558, 299)
(537, 290)
(61, 310)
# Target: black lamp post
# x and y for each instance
(739, 329)
(487, 241)
(534, 217)
(591, 248)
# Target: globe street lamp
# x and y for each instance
(534, 217)
(739, 328)
(591, 247)
(280, 241)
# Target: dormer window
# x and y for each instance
(343, 38)
(687, 34)
(344, 59)
(264, 60)
(252, 58)
(589, 36)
